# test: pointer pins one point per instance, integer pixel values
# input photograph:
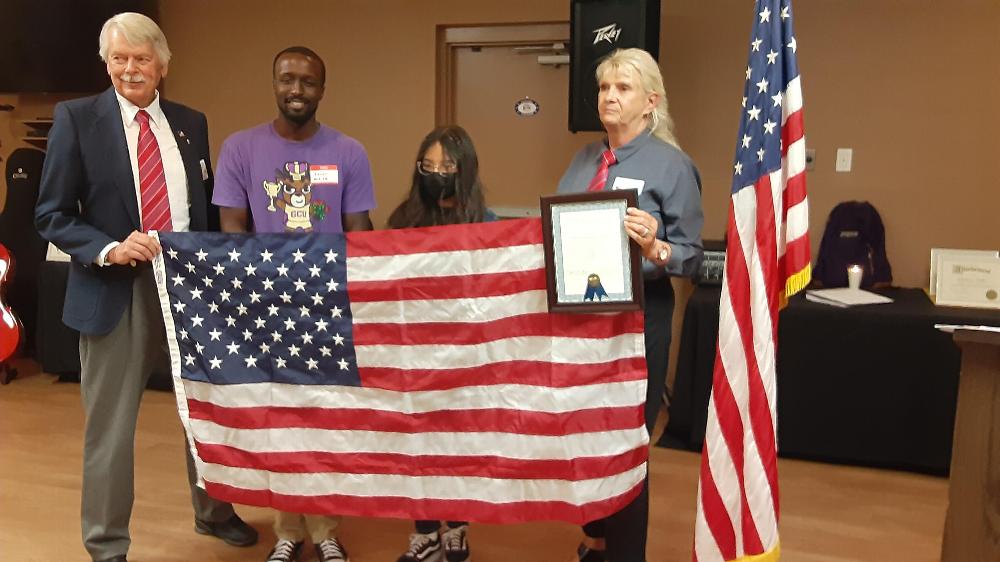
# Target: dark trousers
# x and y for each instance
(625, 531)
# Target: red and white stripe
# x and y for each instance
(767, 258)
(475, 404)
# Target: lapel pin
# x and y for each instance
(183, 136)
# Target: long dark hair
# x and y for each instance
(470, 205)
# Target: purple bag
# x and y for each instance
(854, 235)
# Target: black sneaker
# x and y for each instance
(456, 546)
(423, 548)
(331, 550)
(284, 551)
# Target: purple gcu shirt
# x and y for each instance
(294, 186)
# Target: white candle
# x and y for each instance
(854, 274)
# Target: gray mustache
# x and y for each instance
(132, 78)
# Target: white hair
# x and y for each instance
(644, 68)
(137, 30)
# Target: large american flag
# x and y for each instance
(413, 373)
(767, 259)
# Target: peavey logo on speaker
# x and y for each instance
(19, 175)
(609, 33)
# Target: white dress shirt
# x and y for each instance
(173, 165)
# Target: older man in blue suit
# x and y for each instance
(120, 164)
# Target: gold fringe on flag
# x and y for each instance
(798, 281)
(770, 556)
(794, 284)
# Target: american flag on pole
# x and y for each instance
(767, 259)
(413, 373)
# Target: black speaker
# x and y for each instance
(598, 27)
(713, 263)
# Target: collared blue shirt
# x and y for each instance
(670, 191)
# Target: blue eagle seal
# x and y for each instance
(594, 289)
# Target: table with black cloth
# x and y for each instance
(872, 385)
(57, 346)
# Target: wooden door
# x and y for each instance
(521, 157)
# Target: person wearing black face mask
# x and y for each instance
(436, 187)
(445, 190)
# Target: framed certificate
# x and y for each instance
(591, 264)
(937, 254)
(968, 281)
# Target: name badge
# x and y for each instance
(204, 170)
(324, 174)
(628, 183)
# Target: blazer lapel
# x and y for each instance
(112, 131)
(192, 166)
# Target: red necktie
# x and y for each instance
(601, 177)
(152, 182)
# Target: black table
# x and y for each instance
(872, 385)
(57, 346)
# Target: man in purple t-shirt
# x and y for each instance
(295, 175)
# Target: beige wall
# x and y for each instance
(913, 87)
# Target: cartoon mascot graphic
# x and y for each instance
(292, 193)
(594, 289)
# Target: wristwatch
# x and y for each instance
(664, 253)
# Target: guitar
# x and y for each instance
(11, 329)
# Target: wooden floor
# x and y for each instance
(829, 513)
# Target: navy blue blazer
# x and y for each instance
(87, 199)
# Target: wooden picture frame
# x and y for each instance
(591, 264)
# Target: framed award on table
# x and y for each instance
(591, 265)
(939, 254)
(968, 280)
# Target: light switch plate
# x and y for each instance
(844, 157)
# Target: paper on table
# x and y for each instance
(845, 297)
(950, 328)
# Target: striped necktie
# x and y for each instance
(152, 181)
(601, 177)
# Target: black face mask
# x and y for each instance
(435, 187)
